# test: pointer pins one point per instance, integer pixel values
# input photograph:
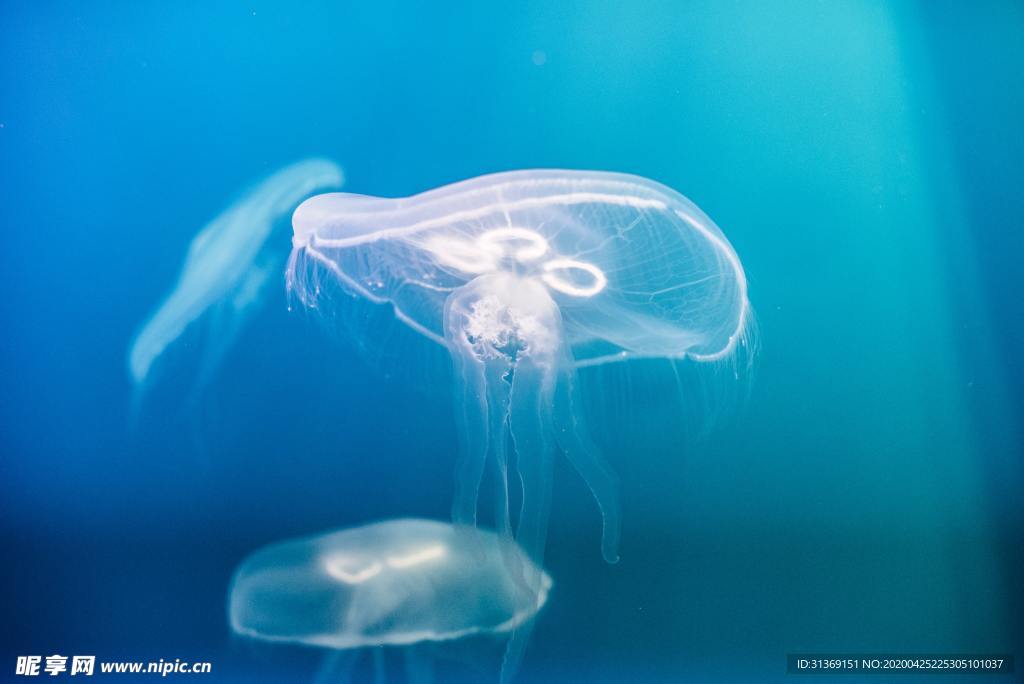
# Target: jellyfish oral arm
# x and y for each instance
(516, 378)
(473, 433)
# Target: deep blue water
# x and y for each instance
(864, 159)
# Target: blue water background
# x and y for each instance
(865, 160)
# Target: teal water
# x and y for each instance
(864, 159)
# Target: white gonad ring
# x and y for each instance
(497, 242)
(339, 569)
(556, 282)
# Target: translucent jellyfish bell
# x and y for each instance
(229, 266)
(393, 583)
(525, 277)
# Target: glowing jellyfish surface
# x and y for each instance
(229, 266)
(526, 277)
(392, 583)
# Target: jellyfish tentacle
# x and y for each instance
(532, 431)
(499, 392)
(470, 410)
(379, 673)
(514, 652)
(532, 436)
(506, 337)
(336, 666)
(575, 442)
(418, 667)
(482, 410)
(472, 425)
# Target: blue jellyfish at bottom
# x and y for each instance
(398, 583)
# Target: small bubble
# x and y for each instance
(539, 58)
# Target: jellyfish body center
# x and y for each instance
(510, 317)
(520, 251)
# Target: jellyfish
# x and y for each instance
(230, 265)
(398, 583)
(525, 278)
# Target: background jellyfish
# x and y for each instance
(401, 583)
(228, 269)
(525, 277)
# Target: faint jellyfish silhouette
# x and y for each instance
(401, 583)
(526, 277)
(227, 272)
